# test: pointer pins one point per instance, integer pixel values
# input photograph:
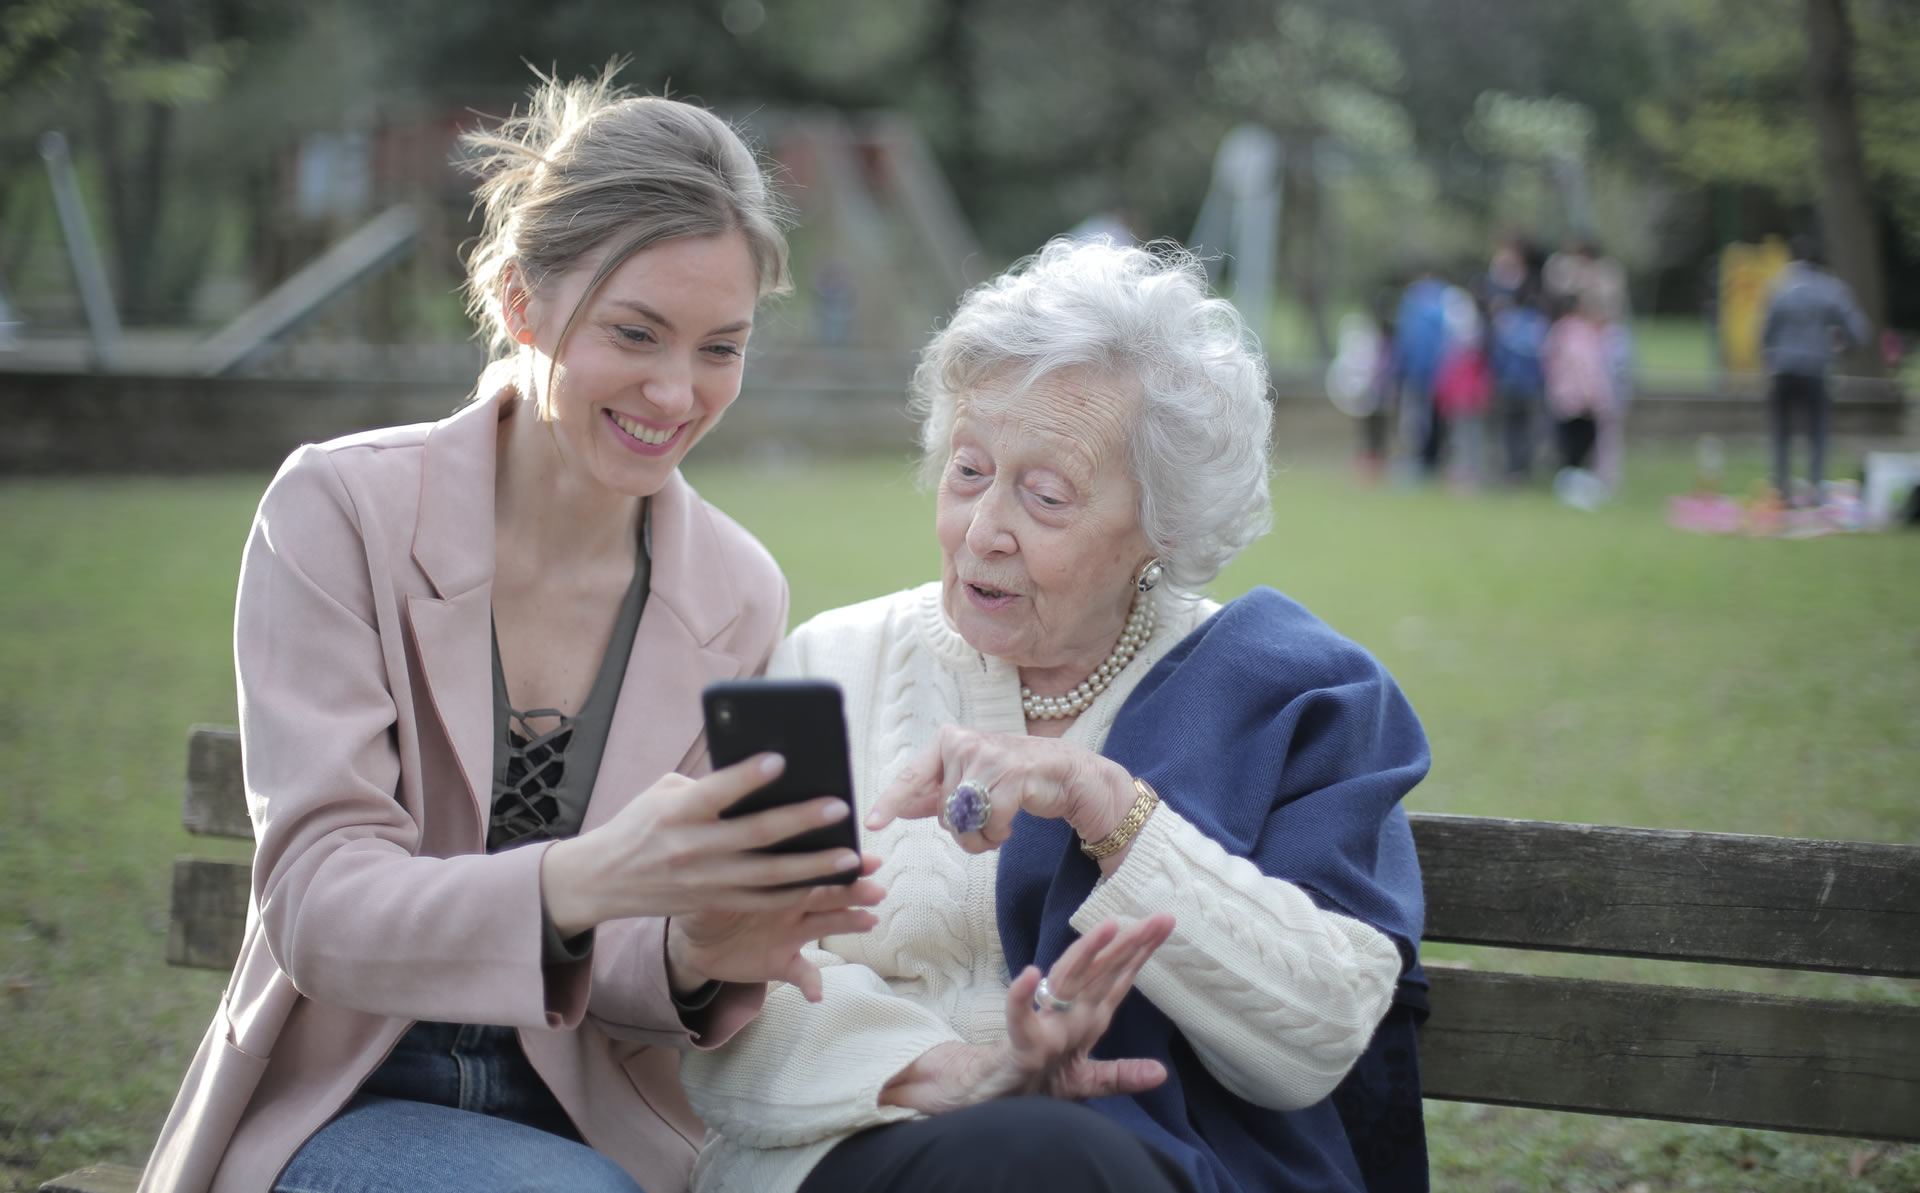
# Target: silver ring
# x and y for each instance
(967, 808)
(1044, 999)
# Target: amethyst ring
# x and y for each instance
(967, 808)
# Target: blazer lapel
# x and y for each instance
(691, 600)
(453, 544)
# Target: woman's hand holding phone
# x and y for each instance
(669, 852)
(765, 946)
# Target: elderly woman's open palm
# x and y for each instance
(1050, 1033)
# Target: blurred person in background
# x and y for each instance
(1510, 268)
(1419, 348)
(1383, 389)
(1583, 399)
(1360, 381)
(1516, 346)
(1811, 317)
(1583, 273)
(1463, 389)
(1154, 907)
(1596, 285)
(491, 905)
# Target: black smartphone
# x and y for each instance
(802, 721)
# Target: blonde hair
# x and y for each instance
(590, 166)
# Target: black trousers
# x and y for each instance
(1010, 1145)
(1577, 437)
(1516, 407)
(1798, 398)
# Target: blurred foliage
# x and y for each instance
(147, 92)
(1429, 122)
(1320, 75)
(1527, 129)
(1729, 97)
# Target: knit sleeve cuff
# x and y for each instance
(1276, 995)
(1135, 890)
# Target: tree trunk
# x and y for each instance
(952, 52)
(144, 299)
(1848, 220)
(106, 144)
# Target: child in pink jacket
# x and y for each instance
(1582, 396)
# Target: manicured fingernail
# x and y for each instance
(837, 810)
(772, 764)
(846, 861)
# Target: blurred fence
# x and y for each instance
(796, 401)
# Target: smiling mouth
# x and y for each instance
(989, 592)
(651, 436)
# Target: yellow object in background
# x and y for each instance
(1747, 273)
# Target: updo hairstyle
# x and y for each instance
(591, 169)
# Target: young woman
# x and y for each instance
(489, 902)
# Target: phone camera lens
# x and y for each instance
(723, 713)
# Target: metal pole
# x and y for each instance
(1246, 169)
(95, 295)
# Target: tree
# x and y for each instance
(1846, 200)
(127, 71)
(1810, 100)
(1323, 83)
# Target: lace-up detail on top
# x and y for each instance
(542, 778)
(526, 802)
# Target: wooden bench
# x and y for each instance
(1822, 1066)
(1637, 1050)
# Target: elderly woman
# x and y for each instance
(1152, 891)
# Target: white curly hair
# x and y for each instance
(1199, 445)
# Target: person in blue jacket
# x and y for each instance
(1419, 346)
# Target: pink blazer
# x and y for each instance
(362, 642)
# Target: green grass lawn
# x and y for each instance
(1567, 666)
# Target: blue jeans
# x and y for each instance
(455, 1108)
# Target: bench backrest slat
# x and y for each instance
(209, 916)
(1705, 1056)
(216, 799)
(1848, 906)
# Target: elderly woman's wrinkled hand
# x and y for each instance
(1051, 1037)
(1006, 774)
(1048, 1039)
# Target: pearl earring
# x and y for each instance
(1150, 574)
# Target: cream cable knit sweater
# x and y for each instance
(1277, 996)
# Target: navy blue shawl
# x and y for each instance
(1290, 745)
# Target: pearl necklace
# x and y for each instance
(1139, 629)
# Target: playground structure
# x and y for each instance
(881, 250)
